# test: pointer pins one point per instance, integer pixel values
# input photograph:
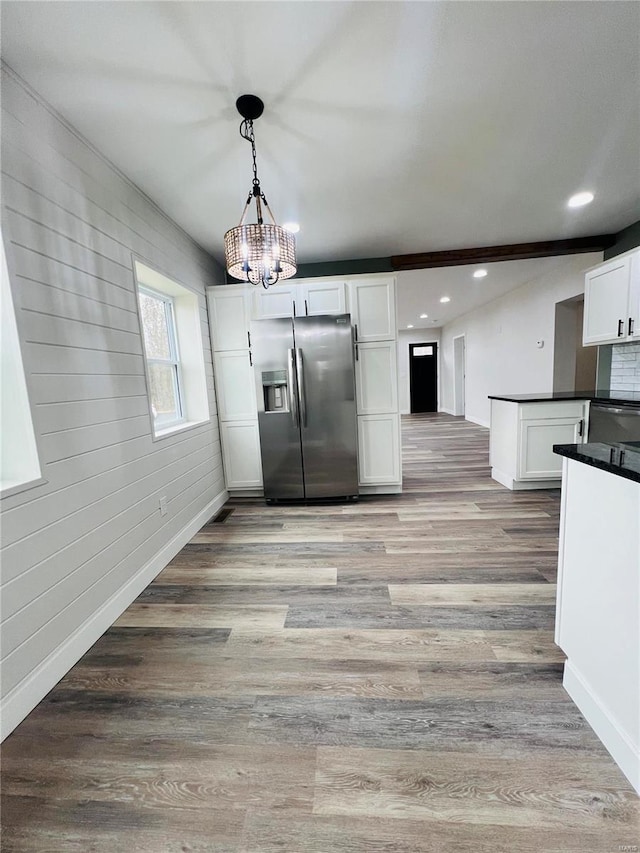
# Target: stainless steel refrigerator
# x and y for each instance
(305, 388)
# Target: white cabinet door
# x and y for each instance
(537, 461)
(606, 302)
(241, 454)
(379, 449)
(372, 304)
(634, 299)
(235, 387)
(278, 301)
(322, 297)
(376, 378)
(228, 316)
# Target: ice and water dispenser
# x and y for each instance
(275, 390)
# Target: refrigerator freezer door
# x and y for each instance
(324, 362)
(278, 414)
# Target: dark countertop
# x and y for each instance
(619, 397)
(622, 458)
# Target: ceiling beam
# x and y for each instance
(491, 254)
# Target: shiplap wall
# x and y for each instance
(77, 549)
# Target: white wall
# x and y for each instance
(502, 356)
(78, 548)
(406, 337)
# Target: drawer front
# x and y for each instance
(553, 409)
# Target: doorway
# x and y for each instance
(459, 372)
(423, 377)
(574, 365)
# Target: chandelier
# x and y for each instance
(262, 253)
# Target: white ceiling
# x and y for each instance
(389, 128)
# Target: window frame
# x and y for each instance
(161, 423)
(187, 344)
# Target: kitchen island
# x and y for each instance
(525, 427)
(598, 593)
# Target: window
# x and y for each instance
(174, 357)
(425, 350)
(19, 463)
(163, 361)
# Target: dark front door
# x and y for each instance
(423, 377)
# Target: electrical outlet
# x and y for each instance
(163, 505)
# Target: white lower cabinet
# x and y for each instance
(379, 450)
(241, 454)
(376, 378)
(537, 437)
(235, 386)
(522, 438)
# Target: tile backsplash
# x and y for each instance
(625, 367)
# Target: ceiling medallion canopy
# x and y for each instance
(262, 253)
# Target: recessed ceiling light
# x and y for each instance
(410, 326)
(480, 273)
(445, 299)
(580, 199)
(423, 316)
(292, 227)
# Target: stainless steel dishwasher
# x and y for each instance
(614, 422)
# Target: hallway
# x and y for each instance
(376, 676)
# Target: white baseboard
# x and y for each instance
(26, 695)
(445, 410)
(392, 489)
(615, 739)
(477, 421)
(246, 493)
(523, 485)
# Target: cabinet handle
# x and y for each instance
(620, 328)
(630, 332)
(581, 427)
(356, 328)
(249, 339)
(356, 349)
(306, 309)
(294, 307)
(250, 359)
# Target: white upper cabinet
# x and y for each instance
(372, 304)
(228, 317)
(300, 298)
(277, 301)
(322, 297)
(612, 301)
(376, 378)
(634, 298)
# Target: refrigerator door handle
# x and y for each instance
(301, 394)
(293, 397)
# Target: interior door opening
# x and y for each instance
(423, 377)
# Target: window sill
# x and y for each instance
(174, 429)
(9, 488)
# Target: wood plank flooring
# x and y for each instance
(378, 676)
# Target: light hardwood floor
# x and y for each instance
(378, 676)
